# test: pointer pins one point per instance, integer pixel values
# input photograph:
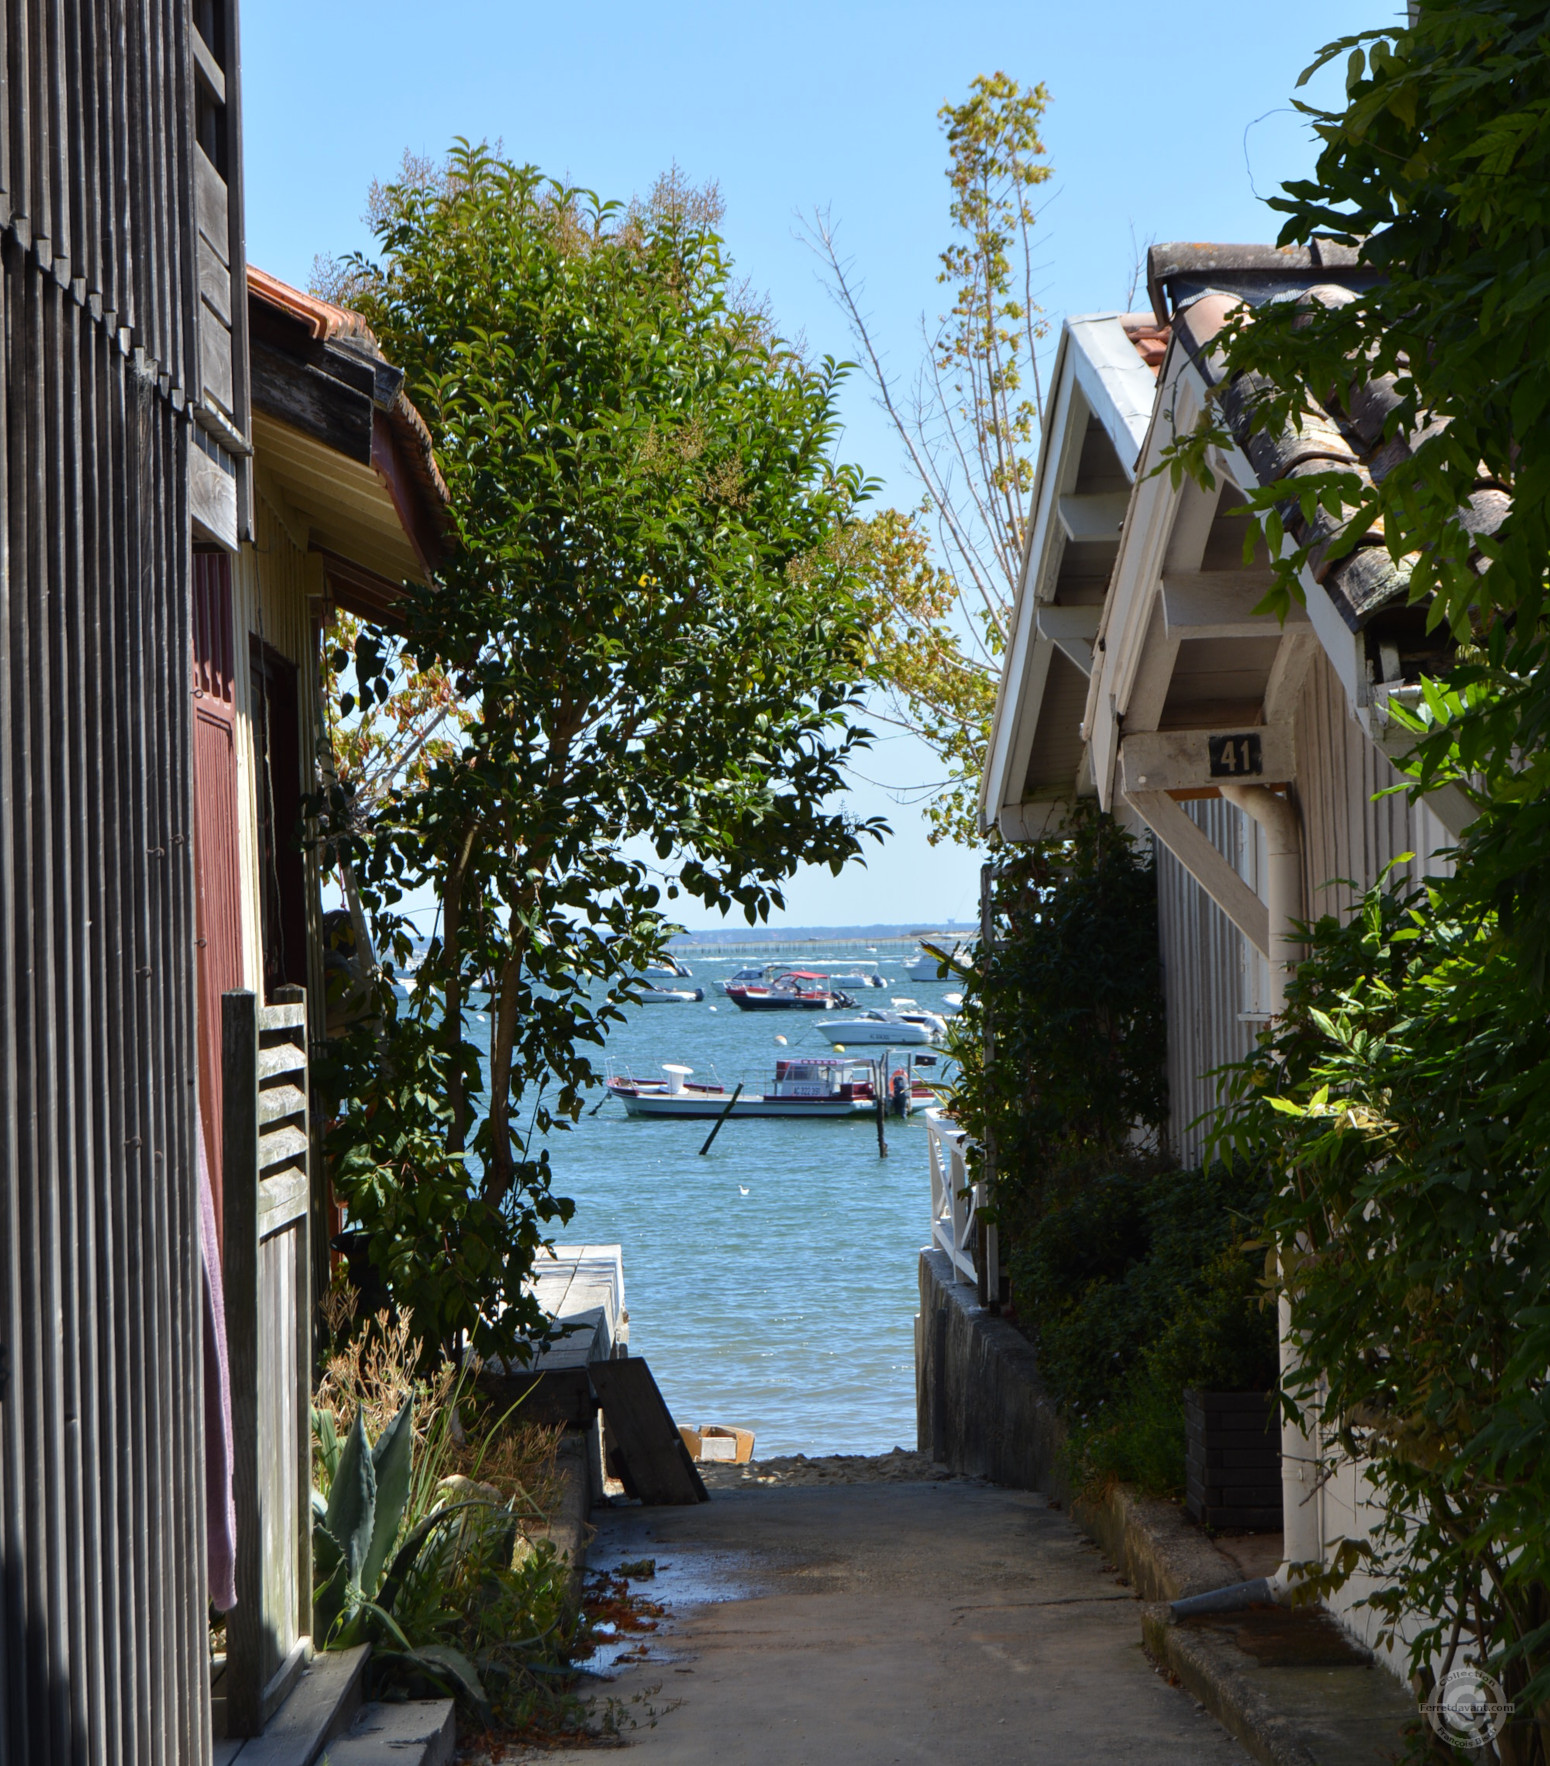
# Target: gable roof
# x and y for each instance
(1178, 646)
(1102, 388)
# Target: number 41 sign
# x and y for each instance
(1237, 756)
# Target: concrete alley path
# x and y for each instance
(869, 1623)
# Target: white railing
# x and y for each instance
(955, 1224)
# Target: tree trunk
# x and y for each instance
(452, 957)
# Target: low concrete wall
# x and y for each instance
(981, 1409)
(980, 1406)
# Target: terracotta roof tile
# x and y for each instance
(322, 317)
(1149, 338)
(338, 325)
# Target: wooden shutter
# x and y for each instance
(217, 869)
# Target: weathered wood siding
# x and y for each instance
(102, 1535)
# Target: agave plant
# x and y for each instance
(354, 1531)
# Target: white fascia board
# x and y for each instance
(1096, 367)
(1022, 682)
(1119, 387)
(1127, 609)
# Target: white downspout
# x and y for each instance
(1300, 1505)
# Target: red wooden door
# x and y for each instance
(217, 869)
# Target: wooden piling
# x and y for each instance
(737, 1092)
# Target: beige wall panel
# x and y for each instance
(270, 602)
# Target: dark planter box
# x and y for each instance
(1232, 1475)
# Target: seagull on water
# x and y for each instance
(742, 1189)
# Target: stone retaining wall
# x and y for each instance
(980, 1406)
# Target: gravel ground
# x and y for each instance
(898, 1467)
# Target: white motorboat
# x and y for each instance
(925, 967)
(877, 1029)
(820, 1087)
(668, 968)
(671, 996)
(848, 976)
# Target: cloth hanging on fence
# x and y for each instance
(220, 1506)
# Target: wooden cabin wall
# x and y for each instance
(1213, 979)
(103, 1653)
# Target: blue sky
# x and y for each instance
(1157, 128)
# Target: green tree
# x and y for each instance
(944, 572)
(652, 621)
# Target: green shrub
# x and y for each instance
(1141, 1283)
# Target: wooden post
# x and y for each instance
(879, 1081)
(239, 1160)
(737, 1092)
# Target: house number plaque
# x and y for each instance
(1236, 757)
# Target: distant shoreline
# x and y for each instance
(813, 934)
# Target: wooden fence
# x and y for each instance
(957, 1226)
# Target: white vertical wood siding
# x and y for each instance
(1203, 964)
(1347, 830)
(1213, 979)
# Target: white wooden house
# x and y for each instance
(1250, 752)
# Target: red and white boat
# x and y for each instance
(795, 990)
(820, 1086)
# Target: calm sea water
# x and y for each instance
(772, 1283)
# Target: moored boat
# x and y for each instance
(925, 967)
(795, 990)
(852, 976)
(881, 1028)
(668, 968)
(808, 1086)
(751, 974)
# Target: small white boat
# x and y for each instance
(848, 976)
(925, 967)
(881, 1028)
(672, 996)
(668, 968)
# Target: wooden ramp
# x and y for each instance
(581, 1288)
(589, 1368)
(647, 1454)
